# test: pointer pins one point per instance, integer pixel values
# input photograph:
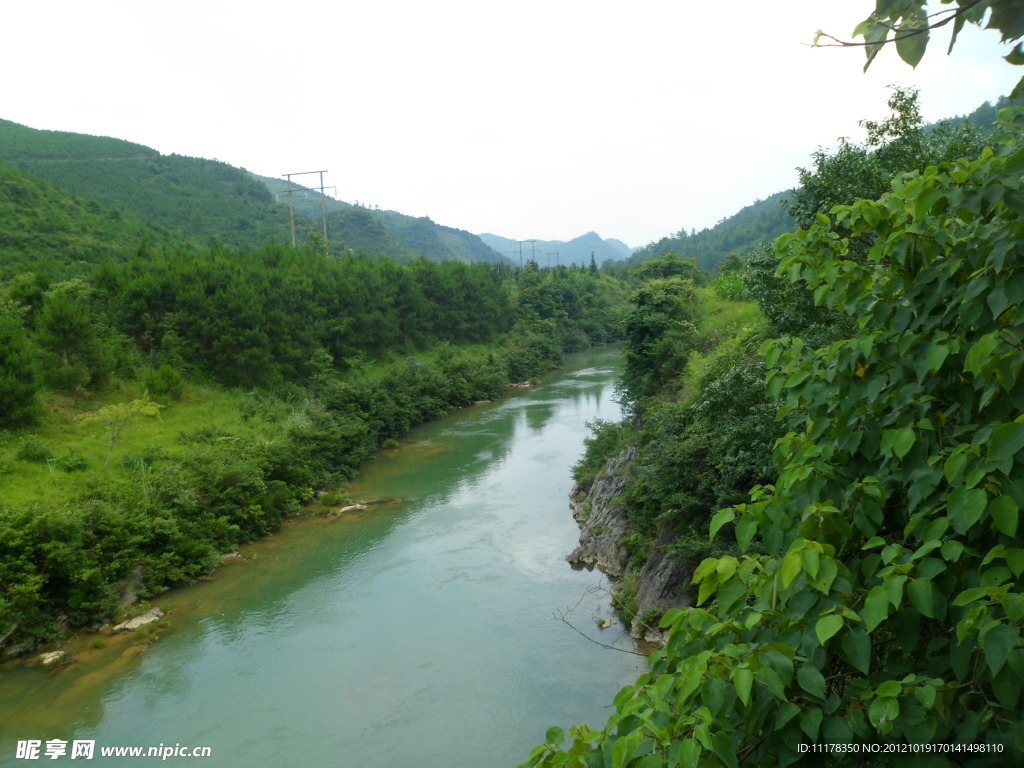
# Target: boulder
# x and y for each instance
(151, 616)
(357, 507)
(54, 659)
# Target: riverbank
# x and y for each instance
(421, 631)
(215, 470)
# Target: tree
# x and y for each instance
(19, 374)
(896, 144)
(658, 334)
(669, 265)
(116, 417)
(68, 331)
(906, 25)
(734, 262)
(879, 596)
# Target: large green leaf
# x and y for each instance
(811, 680)
(1006, 442)
(997, 644)
(827, 626)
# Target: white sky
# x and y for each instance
(532, 119)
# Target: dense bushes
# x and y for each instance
(875, 596)
(350, 353)
(173, 511)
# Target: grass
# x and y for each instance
(232, 414)
(728, 326)
(725, 316)
(45, 482)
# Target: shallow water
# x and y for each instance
(422, 631)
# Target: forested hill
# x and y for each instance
(765, 220)
(576, 251)
(204, 200)
(48, 228)
(383, 233)
(759, 222)
(207, 200)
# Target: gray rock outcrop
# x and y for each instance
(660, 586)
(602, 519)
(662, 580)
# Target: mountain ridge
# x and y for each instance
(576, 251)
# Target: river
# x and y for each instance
(421, 632)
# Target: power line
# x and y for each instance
(291, 205)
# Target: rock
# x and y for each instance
(357, 507)
(230, 556)
(660, 586)
(662, 580)
(603, 522)
(151, 616)
(17, 649)
(54, 659)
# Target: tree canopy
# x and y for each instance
(873, 611)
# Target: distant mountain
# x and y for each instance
(984, 117)
(762, 221)
(576, 251)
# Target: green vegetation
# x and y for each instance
(388, 234)
(44, 224)
(870, 589)
(185, 200)
(204, 200)
(756, 223)
(262, 375)
(332, 356)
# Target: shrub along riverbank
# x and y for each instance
(134, 454)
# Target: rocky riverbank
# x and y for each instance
(604, 525)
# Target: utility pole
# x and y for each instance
(323, 202)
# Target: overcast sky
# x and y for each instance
(529, 119)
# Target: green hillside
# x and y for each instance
(382, 233)
(203, 199)
(758, 222)
(46, 228)
(764, 220)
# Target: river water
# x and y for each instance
(421, 632)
